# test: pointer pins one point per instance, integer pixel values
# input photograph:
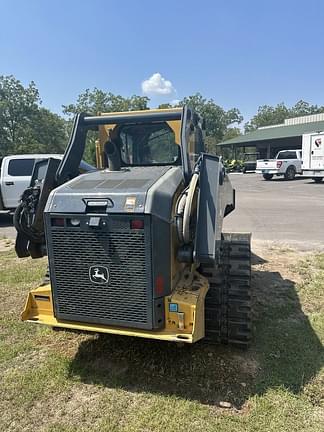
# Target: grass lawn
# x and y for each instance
(61, 381)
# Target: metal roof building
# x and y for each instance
(269, 140)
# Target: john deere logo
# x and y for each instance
(99, 274)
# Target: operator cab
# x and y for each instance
(147, 144)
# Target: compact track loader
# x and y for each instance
(136, 247)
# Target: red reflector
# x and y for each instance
(58, 222)
(279, 163)
(159, 285)
(137, 224)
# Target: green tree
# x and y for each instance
(25, 127)
(271, 115)
(48, 133)
(232, 132)
(302, 108)
(95, 101)
(165, 106)
(218, 120)
(17, 106)
(267, 115)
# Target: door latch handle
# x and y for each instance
(9, 183)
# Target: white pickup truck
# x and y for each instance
(16, 174)
(287, 163)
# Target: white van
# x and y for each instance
(16, 174)
(313, 156)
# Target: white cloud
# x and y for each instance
(175, 101)
(157, 85)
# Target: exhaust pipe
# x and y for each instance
(113, 156)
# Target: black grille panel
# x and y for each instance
(127, 299)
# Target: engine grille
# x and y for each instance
(127, 299)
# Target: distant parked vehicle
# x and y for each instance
(313, 156)
(233, 165)
(287, 163)
(250, 161)
(16, 174)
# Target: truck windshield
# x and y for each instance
(148, 144)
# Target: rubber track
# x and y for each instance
(228, 301)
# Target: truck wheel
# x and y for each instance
(317, 179)
(228, 301)
(290, 173)
(267, 176)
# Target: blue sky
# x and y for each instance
(240, 53)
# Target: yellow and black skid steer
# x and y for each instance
(135, 247)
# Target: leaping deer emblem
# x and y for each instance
(99, 274)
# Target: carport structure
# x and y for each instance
(268, 140)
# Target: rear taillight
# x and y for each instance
(58, 222)
(279, 163)
(137, 224)
(159, 285)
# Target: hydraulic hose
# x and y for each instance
(23, 219)
(179, 218)
(188, 208)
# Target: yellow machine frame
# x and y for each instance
(185, 325)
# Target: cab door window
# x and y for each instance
(21, 167)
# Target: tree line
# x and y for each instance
(28, 127)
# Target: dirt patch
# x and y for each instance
(6, 244)
(275, 256)
(80, 402)
(275, 272)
